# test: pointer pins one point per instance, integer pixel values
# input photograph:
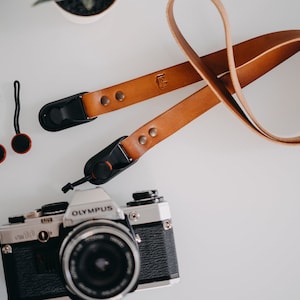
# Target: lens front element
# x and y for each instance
(100, 262)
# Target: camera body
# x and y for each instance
(90, 248)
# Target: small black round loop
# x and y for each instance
(21, 143)
(2, 153)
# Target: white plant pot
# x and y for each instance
(88, 16)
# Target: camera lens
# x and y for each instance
(100, 261)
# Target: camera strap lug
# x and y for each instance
(63, 113)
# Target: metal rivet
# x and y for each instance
(104, 100)
(153, 132)
(134, 216)
(7, 249)
(142, 140)
(167, 224)
(120, 96)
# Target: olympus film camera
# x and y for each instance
(89, 249)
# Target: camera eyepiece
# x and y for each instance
(145, 197)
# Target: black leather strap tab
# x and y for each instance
(104, 165)
(107, 163)
(63, 113)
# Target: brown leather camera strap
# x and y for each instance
(253, 59)
(225, 71)
(139, 89)
(178, 76)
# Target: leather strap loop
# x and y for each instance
(242, 110)
(236, 84)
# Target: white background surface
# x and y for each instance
(234, 196)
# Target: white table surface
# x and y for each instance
(234, 196)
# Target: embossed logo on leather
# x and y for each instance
(161, 81)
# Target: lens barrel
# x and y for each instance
(100, 260)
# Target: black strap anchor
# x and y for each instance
(63, 113)
(104, 165)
